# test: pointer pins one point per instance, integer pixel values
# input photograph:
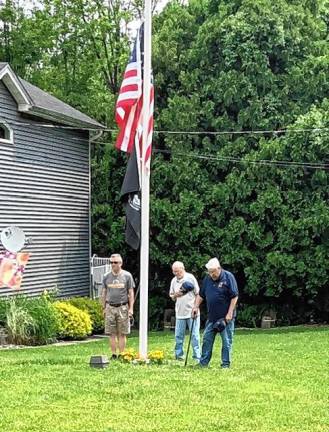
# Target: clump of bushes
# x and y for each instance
(248, 316)
(40, 320)
(19, 323)
(94, 309)
(3, 312)
(73, 323)
(31, 321)
(43, 313)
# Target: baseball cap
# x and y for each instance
(187, 286)
(213, 263)
(219, 325)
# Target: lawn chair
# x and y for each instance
(99, 267)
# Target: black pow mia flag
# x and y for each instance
(131, 196)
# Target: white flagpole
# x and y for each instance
(145, 187)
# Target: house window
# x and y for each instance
(6, 133)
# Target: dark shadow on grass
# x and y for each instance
(46, 362)
(283, 330)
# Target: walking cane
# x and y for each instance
(189, 342)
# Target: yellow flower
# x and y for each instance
(156, 356)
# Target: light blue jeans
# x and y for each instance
(208, 343)
(180, 329)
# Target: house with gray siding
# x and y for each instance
(45, 185)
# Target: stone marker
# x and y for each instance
(99, 361)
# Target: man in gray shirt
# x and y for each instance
(118, 302)
(183, 308)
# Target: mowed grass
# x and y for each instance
(279, 382)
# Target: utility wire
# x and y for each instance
(248, 132)
(272, 162)
(269, 162)
(180, 132)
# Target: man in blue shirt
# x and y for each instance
(220, 291)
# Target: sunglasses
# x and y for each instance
(114, 262)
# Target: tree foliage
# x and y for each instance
(244, 66)
(230, 66)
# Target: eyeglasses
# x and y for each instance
(114, 262)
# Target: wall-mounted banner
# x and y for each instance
(12, 267)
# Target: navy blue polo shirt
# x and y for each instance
(219, 294)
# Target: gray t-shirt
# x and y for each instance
(117, 286)
(184, 304)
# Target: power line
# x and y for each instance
(180, 132)
(271, 162)
(248, 132)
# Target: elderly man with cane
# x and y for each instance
(220, 290)
(183, 290)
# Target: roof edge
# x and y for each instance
(26, 104)
(61, 118)
(8, 76)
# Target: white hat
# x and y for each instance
(213, 263)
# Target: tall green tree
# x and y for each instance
(220, 66)
(77, 50)
(241, 66)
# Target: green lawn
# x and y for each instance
(279, 382)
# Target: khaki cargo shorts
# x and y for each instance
(117, 320)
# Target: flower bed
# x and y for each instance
(133, 357)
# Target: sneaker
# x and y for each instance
(225, 366)
(201, 366)
(114, 357)
(180, 358)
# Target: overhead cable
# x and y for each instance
(272, 162)
(181, 132)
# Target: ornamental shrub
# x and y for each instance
(43, 312)
(30, 321)
(3, 311)
(94, 309)
(73, 323)
(19, 323)
(248, 316)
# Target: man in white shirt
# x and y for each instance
(183, 290)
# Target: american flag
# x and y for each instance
(129, 106)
